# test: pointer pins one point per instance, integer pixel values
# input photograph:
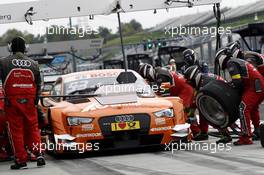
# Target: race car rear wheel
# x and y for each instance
(218, 103)
(262, 134)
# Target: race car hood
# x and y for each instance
(94, 107)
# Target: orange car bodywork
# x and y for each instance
(156, 130)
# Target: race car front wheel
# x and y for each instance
(218, 103)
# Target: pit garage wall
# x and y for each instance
(81, 46)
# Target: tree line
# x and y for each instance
(128, 29)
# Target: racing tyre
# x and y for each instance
(262, 134)
(218, 103)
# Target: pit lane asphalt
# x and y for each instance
(242, 160)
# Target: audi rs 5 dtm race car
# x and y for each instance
(97, 110)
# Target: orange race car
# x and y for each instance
(109, 109)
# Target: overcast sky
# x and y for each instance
(147, 19)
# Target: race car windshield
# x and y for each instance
(91, 85)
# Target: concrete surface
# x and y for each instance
(242, 160)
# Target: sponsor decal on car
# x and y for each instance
(161, 129)
(99, 134)
(87, 127)
(124, 118)
(160, 121)
(123, 126)
(87, 76)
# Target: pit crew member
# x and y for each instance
(249, 81)
(198, 80)
(177, 87)
(190, 59)
(22, 82)
(5, 154)
(257, 60)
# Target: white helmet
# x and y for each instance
(147, 72)
(233, 49)
(221, 58)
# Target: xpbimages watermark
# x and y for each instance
(80, 31)
(195, 146)
(188, 30)
(76, 147)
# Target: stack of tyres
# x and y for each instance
(218, 103)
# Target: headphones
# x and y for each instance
(10, 45)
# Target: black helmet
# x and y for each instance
(163, 76)
(222, 57)
(18, 44)
(147, 72)
(192, 75)
(189, 57)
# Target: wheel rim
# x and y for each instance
(213, 111)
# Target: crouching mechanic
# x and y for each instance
(178, 87)
(22, 83)
(198, 80)
(190, 59)
(249, 81)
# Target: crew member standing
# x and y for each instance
(249, 81)
(257, 60)
(21, 83)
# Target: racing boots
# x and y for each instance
(40, 160)
(18, 166)
(224, 140)
(201, 136)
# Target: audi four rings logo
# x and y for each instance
(124, 118)
(21, 63)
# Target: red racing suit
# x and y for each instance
(3, 135)
(22, 83)
(183, 90)
(244, 75)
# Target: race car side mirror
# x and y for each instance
(126, 78)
